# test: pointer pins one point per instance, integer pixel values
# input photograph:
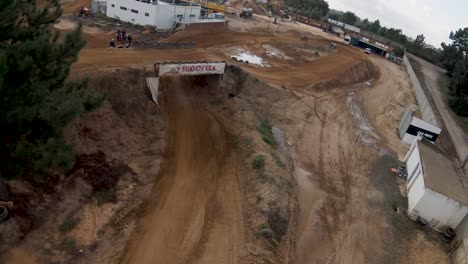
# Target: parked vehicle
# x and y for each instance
(347, 40)
(367, 51)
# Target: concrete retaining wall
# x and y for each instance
(424, 105)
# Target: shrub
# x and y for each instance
(68, 244)
(68, 224)
(266, 132)
(258, 162)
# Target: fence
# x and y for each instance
(426, 109)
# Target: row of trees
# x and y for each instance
(454, 58)
(36, 102)
(309, 8)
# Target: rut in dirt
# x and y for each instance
(194, 214)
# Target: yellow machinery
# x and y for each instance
(214, 6)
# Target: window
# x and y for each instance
(123, 8)
(112, 5)
(180, 16)
(192, 15)
(134, 11)
(146, 14)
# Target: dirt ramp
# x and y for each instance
(358, 73)
(194, 214)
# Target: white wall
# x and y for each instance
(439, 210)
(162, 15)
(128, 16)
(165, 18)
(416, 190)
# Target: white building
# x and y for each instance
(410, 126)
(162, 15)
(435, 191)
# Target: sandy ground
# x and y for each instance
(207, 203)
(445, 115)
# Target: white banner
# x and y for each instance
(153, 86)
(192, 68)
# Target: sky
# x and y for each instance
(433, 18)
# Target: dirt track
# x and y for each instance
(196, 213)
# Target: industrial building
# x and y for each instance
(163, 15)
(365, 43)
(435, 191)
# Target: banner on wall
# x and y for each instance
(191, 68)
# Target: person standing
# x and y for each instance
(129, 38)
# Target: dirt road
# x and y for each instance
(195, 213)
(444, 114)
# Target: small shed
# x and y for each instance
(410, 126)
(435, 191)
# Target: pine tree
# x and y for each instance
(36, 102)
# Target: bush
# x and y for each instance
(258, 162)
(68, 244)
(459, 106)
(107, 196)
(267, 133)
(68, 224)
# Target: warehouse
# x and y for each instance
(435, 190)
(163, 15)
(365, 43)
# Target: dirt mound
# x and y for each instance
(358, 73)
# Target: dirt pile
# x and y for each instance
(361, 72)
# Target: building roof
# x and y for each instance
(373, 45)
(440, 173)
(337, 30)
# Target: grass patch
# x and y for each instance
(68, 224)
(68, 244)
(105, 196)
(278, 161)
(258, 162)
(267, 134)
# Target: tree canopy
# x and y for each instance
(455, 60)
(36, 100)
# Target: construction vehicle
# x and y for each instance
(246, 13)
(215, 6)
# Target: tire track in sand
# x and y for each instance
(195, 212)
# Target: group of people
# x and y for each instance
(122, 36)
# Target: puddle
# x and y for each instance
(250, 58)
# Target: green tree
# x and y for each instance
(334, 16)
(374, 26)
(460, 40)
(459, 89)
(349, 18)
(36, 101)
(419, 42)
